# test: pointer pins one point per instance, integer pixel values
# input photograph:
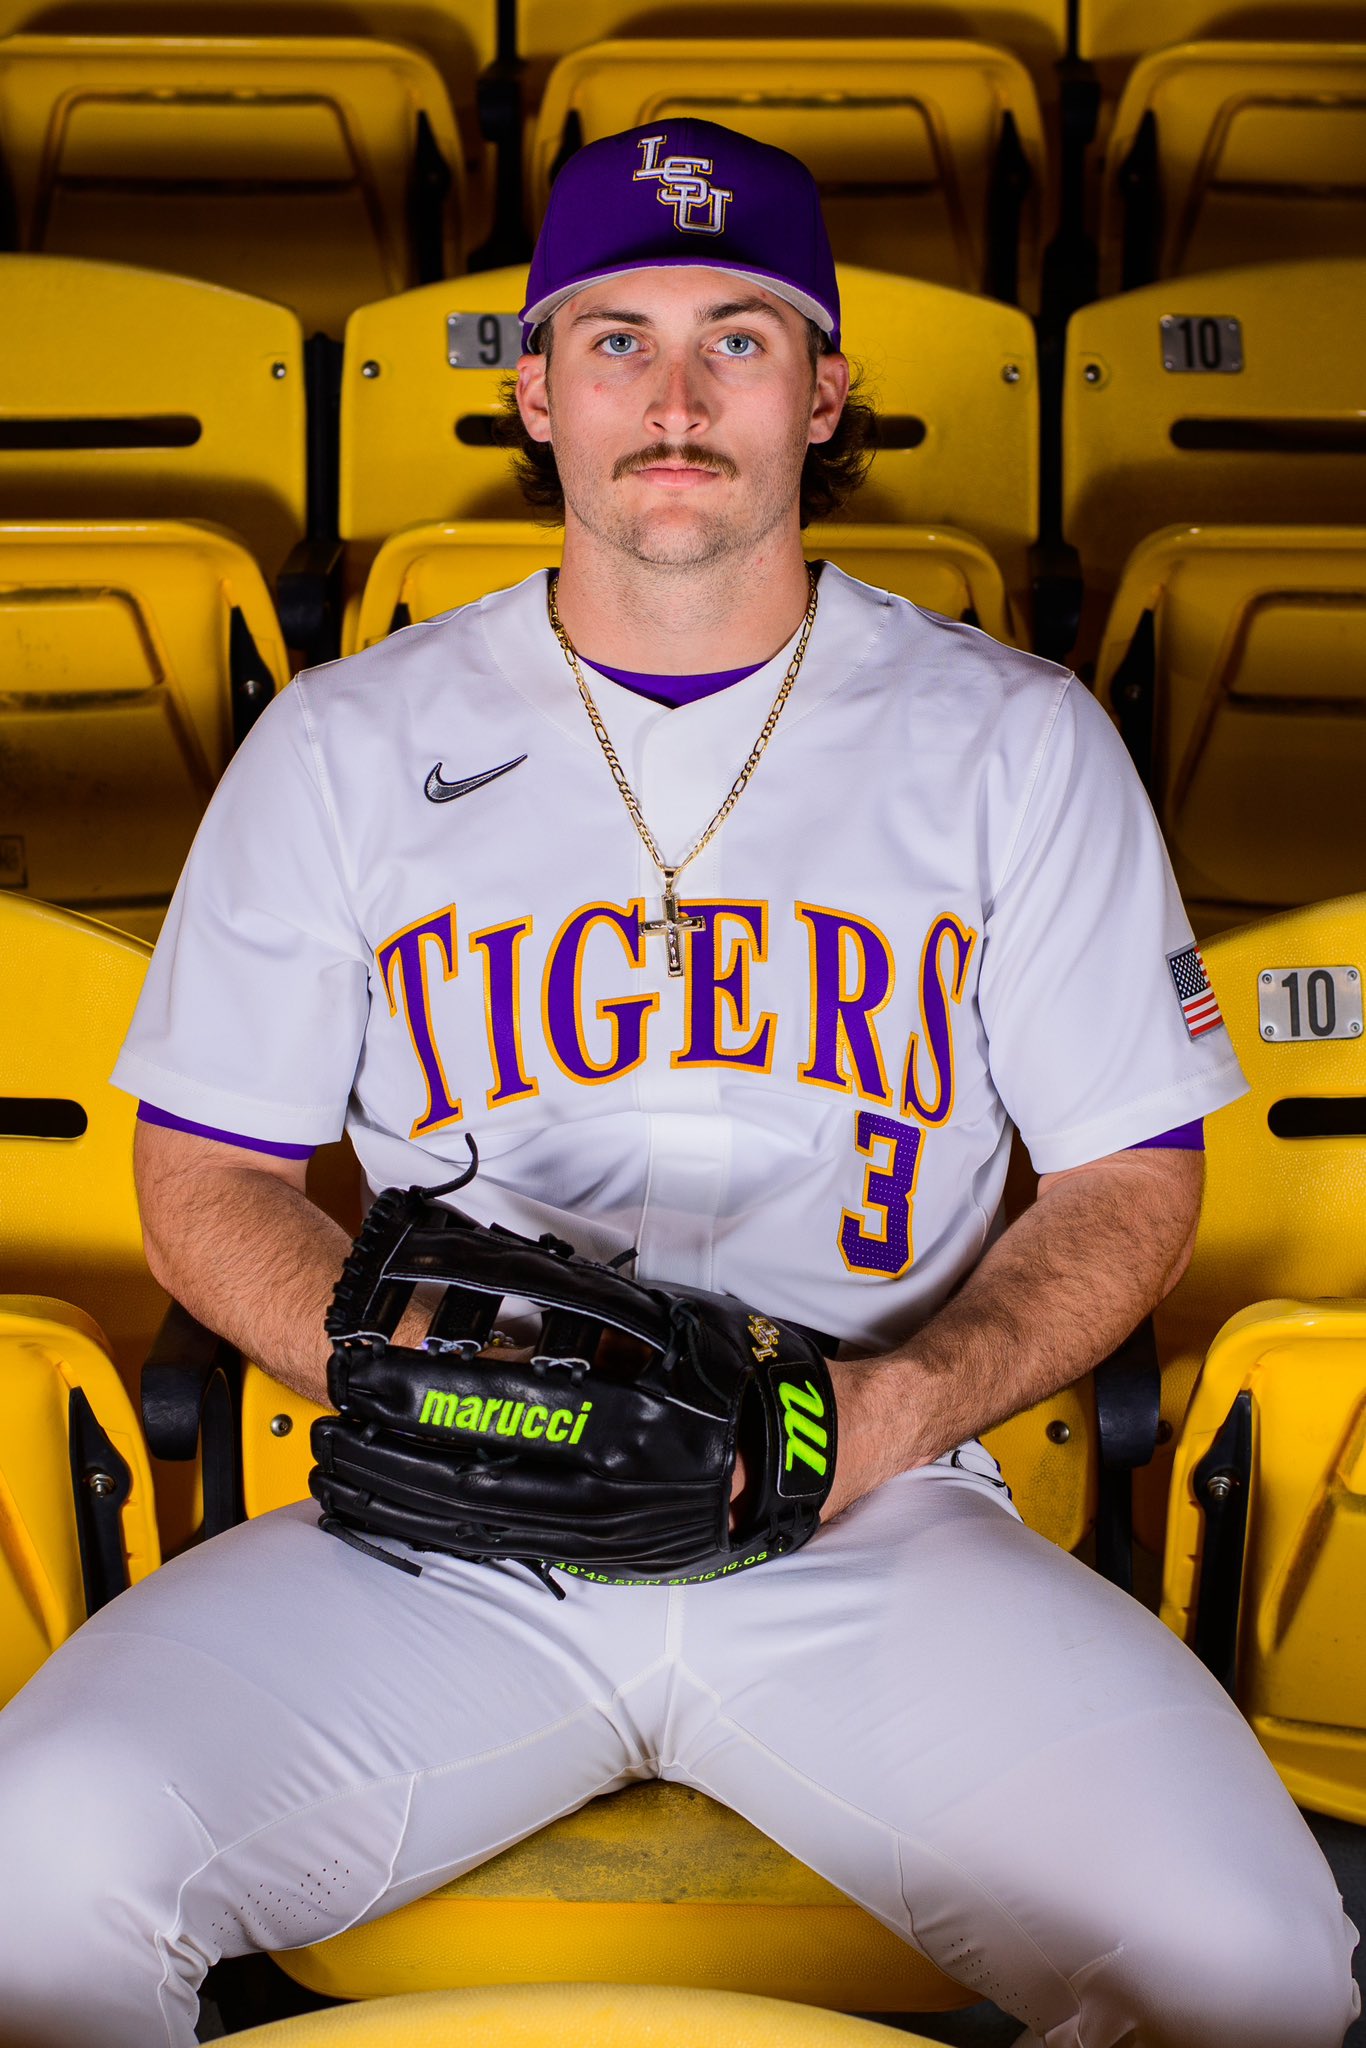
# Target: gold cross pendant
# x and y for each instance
(672, 922)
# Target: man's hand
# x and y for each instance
(1056, 1294)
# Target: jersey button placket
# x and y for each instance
(689, 1147)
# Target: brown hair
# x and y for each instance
(831, 473)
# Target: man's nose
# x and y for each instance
(677, 408)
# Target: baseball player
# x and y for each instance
(738, 913)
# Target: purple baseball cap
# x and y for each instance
(684, 192)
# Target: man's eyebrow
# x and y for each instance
(606, 313)
(733, 308)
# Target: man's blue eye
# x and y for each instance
(738, 344)
(627, 344)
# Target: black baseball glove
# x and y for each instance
(609, 1453)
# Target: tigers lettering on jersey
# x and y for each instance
(852, 976)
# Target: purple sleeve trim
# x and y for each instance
(148, 1113)
(1185, 1138)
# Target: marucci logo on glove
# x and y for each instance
(515, 1418)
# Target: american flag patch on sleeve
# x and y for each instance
(1199, 1004)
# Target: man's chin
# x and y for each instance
(679, 543)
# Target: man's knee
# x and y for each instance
(96, 1847)
(1254, 1968)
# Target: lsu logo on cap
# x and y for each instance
(683, 186)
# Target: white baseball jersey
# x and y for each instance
(415, 908)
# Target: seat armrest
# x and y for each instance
(308, 599)
(192, 1401)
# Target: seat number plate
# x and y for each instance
(1296, 1003)
(1201, 344)
(483, 341)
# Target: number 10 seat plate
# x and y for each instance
(1201, 344)
(1295, 1004)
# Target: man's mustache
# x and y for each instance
(683, 454)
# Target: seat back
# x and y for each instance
(125, 394)
(421, 376)
(134, 656)
(1235, 660)
(955, 378)
(68, 1210)
(1112, 35)
(422, 571)
(1169, 413)
(1266, 1542)
(930, 155)
(459, 36)
(1227, 153)
(76, 1513)
(1285, 1165)
(1035, 30)
(317, 171)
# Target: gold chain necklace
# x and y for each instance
(673, 921)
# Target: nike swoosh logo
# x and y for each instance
(438, 791)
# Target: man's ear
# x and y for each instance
(533, 402)
(827, 399)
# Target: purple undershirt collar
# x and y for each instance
(674, 690)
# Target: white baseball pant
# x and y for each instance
(1007, 1761)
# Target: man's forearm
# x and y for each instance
(1063, 1286)
(252, 1257)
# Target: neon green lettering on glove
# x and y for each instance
(555, 1425)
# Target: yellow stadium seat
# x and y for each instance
(955, 381)
(567, 2016)
(135, 655)
(424, 570)
(939, 568)
(1282, 1203)
(421, 376)
(655, 1883)
(1234, 659)
(68, 1214)
(954, 377)
(77, 1522)
(1035, 30)
(460, 36)
(1266, 1539)
(317, 171)
(1238, 392)
(1227, 153)
(930, 155)
(1112, 35)
(69, 1222)
(127, 394)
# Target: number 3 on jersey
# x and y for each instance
(892, 1150)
